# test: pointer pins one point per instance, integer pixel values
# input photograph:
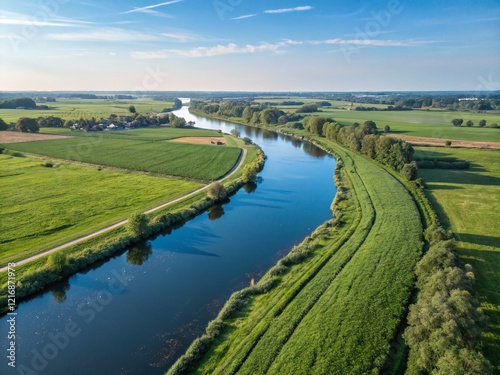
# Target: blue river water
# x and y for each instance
(137, 312)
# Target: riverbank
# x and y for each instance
(256, 334)
(36, 275)
(245, 337)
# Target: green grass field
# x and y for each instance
(82, 108)
(160, 133)
(351, 294)
(432, 124)
(144, 150)
(43, 207)
(468, 202)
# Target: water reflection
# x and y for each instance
(297, 143)
(60, 290)
(215, 212)
(140, 253)
(314, 151)
(250, 187)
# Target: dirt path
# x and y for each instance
(123, 222)
(437, 142)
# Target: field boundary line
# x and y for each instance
(230, 173)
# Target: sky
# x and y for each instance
(249, 45)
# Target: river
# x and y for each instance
(138, 312)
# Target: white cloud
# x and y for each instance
(286, 10)
(11, 18)
(181, 37)
(243, 17)
(217, 50)
(146, 8)
(374, 42)
(108, 34)
(156, 13)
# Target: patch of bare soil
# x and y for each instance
(200, 140)
(15, 137)
(436, 142)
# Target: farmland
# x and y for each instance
(58, 198)
(354, 277)
(141, 150)
(468, 203)
(59, 204)
(86, 108)
(431, 124)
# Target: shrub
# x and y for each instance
(137, 225)
(57, 262)
(217, 191)
(409, 171)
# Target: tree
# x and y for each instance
(50, 122)
(131, 109)
(247, 113)
(235, 133)
(482, 123)
(457, 121)
(3, 125)
(447, 143)
(469, 123)
(217, 191)
(176, 122)
(177, 104)
(69, 123)
(249, 173)
(19, 102)
(308, 108)
(387, 129)
(315, 124)
(409, 171)
(137, 225)
(27, 125)
(247, 141)
(57, 262)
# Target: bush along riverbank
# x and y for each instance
(443, 328)
(39, 274)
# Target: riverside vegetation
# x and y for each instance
(339, 300)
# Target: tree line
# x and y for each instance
(445, 324)
(459, 122)
(136, 120)
(260, 114)
(364, 138)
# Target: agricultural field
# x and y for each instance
(147, 150)
(362, 274)
(468, 202)
(44, 207)
(421, 123)
(86, 108)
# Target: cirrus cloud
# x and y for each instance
(217, 50)
(287, 10)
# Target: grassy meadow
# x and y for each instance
(144, 150)
(43, 207)
(468, 202)
(86, 108)
(361, 273)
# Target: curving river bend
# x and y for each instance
(138, 312)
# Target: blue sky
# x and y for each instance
(247, 45)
